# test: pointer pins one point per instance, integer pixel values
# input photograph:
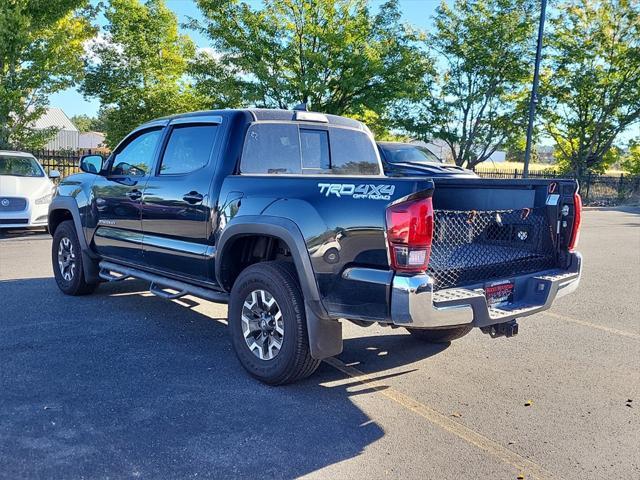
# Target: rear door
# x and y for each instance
(118, 196)
(176, 206)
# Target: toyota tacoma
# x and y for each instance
(287, 217)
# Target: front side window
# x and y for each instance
(20, 167)
(136, 158)
(188, 149)
(271, 148)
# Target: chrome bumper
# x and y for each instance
(414, 303)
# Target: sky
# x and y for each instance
(416, 12)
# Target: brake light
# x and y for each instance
(577, 219)
(409, 234)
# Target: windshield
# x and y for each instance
(402, 153)
(20, 167)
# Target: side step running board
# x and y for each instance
(160, 291)
(159, 284)
(109, 277)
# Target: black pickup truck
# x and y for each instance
(288, 218)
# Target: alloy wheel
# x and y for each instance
(262, 324)
(66, 259)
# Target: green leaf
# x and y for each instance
(336, 55)
(138, 67)
(41, 48)
(591, 87)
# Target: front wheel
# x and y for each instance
(268, 326)
(66, 258)
(440, 335)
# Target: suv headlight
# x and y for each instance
(44, 200)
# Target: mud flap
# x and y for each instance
(325, 336)
(90, 267)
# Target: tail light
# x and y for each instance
(409, 234)
(577, 219)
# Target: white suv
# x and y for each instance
(25, 190)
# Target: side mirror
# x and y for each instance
(54, 174)
(91, 163)
(124, 169)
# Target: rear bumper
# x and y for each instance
(414, 303)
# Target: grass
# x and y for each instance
(509, 167)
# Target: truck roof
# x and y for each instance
(269, 114)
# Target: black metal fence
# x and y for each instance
(66, 162)
(596, 190)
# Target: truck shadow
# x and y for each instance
(122, 384)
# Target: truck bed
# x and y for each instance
(487, 229)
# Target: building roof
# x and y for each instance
(54, 117)
(97, 134)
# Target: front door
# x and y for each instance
(176, 206)
(118, 197)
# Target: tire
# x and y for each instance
(66, 249)
(440, 335)
(259, 293)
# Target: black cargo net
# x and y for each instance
(475, 246)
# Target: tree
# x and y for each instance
(591, 90)
(41, 45)
(138, 69)
(631, 159)
(484, 49)
(515, 147)
(333, 54)
(86, 123)
(82, 122)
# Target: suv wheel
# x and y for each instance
(268, 326)
(440, 335)
(67, 261)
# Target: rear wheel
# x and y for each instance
(440, 335)
(268, 326)
(66, 258)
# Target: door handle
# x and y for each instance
(134, 194)
(193, 197)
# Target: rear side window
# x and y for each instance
(292, 149)
(188, 149)
(271, 148)
(315, 149)
(353, 153)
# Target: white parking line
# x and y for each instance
(615, 331)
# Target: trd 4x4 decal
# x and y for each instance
(360, 191)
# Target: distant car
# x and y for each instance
(409, 160)
(25, 191)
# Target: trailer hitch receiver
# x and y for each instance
(506, 329)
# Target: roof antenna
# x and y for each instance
(301, 107)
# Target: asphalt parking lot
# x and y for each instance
(122, 384)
